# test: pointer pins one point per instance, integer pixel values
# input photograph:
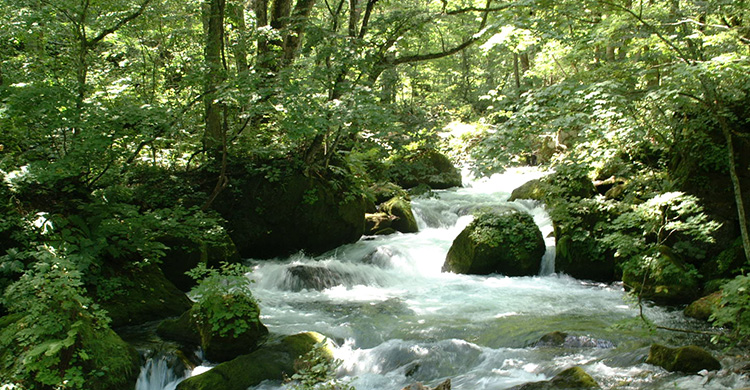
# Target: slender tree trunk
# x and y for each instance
(741, 214)
(516, 74)
(237, 17)
(214, 132)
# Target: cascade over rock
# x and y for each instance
(505, 243)
(273, 361)
(291, 212)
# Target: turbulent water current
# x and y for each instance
(397, 319)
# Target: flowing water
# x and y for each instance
(398, 319)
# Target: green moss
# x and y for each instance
(114, 365)
(271, 362)
(690, 359)
(534, 189)
(703, 308)
(150, 297)
(506, 243)
(400, 208)
(571, 378)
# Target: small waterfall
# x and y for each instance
(161, 372)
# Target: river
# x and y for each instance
(397, 319)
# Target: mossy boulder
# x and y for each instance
(190, 330)
(505, 243)
(571, 378)
(689, 359)
(185, 254)
(703, 308)
(145, 295)
(108, 355)
(533, 189)
(273, 361)
(400, 208)
(425, 166)
(282, 209)
(182, 329)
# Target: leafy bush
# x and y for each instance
(43, 348)
(655, 241)
(223, 299)
(734, 310)
(317, 371)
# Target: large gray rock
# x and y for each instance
(505, 243)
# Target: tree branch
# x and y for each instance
(119, 24)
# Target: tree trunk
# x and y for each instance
(237, 17)
(214, 132)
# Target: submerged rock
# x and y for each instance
(445, 385)
(562, 339)
(505, 243)
(273, 361)
(572, 378)
(690, 359)
(307, 277)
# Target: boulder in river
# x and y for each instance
(533, 189)
(195, 329)
(273, 361)
(703, 308)
(400, 208)
(571, 378)
(504, 243)
(308, 277)
(690, 359)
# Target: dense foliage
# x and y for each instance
(120, 123)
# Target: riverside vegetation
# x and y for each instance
(139, 140)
